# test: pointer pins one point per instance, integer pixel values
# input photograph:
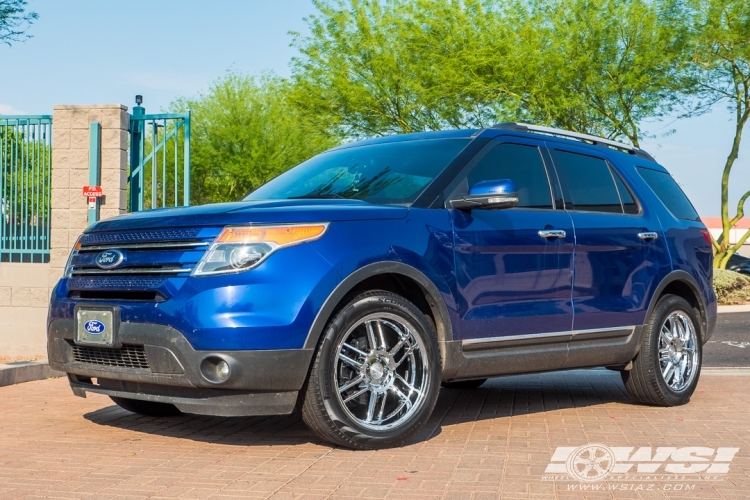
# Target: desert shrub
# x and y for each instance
(731, 287)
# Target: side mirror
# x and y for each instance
(488, 195)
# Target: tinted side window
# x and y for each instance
(587, 183)
(628, 203)
(669, 193)
(521, 164)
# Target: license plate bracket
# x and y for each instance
(96, 326)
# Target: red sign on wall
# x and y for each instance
(93, 191)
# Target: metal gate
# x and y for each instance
(159, 160)
(25, 188)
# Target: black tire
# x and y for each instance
(645, 382)
(323, 409)
(147, 408)
(465, 385)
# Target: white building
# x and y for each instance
(735, 234)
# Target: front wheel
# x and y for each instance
(376, 375)
(666, 370)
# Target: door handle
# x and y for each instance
(651, 235)
(552, 233)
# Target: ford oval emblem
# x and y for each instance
(94, 327)
(109, 259)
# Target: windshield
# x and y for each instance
(392, 173)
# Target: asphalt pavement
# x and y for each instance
(730, 344)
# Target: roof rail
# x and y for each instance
(590, 139)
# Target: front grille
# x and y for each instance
(150, 257)
(117, 295)
(168, 269)
(138, 236)
(128, 356)
(107, 283)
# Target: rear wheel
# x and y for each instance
(464, 384)
(147, 408)
(376, 375)
(666, 370)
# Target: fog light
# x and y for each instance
(215, 369)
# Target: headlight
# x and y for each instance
(69, 265)
(240, 248)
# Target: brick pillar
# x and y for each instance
(70, 172)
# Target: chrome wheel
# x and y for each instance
(678, 356)
(381, 371)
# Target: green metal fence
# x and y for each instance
(25, 187)
(159, 160)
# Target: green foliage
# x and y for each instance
(597, 66)
(731, 287)
(605, 66)
(14, 21)
(25, 163)
(244, 132)
(375, 68)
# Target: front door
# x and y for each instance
(513, 266)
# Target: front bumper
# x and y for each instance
(157, 363)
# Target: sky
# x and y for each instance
(96, 52)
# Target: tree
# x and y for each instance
(373, 68)
(603, 67)
(15, 21)
(595, 66)
(722, 59)
(244, 132)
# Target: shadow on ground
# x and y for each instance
(498, 398)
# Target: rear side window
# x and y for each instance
(521, 164)
(669, 193)
(629, 205)
(588, 184)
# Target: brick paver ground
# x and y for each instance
(494, 442)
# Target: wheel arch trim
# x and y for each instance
(686, 278)
(444, 328)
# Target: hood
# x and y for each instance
(245, 212)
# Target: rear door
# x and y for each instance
(618, 252)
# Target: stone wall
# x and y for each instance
(24, 295)
(70, 171)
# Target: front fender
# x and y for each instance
(419, 247)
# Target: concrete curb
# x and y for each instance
(26, 371)
(729, 371)
(734, 309)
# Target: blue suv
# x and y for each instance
(352, 286)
